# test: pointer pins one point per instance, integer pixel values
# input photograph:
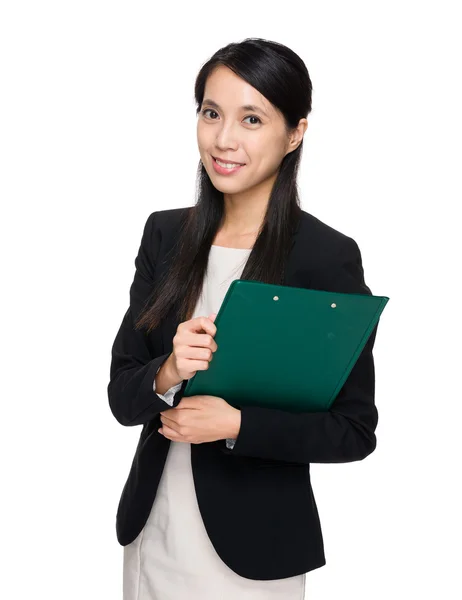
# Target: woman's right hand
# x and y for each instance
(192, 349)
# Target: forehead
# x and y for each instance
(231, 92)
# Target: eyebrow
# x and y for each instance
(251, 107)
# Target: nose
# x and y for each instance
(226, 138)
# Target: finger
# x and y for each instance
(197, 347)
(193, 345)
(202, 324)
(163, 431)
(168, 411)
(171, 434)
(169, 422)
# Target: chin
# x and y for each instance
(228, 189)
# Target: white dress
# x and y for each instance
(173, 558)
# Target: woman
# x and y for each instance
(218, 503)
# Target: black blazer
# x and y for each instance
(256, 500)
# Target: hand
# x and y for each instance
(193, 346)
(199, 419)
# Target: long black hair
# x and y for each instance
(281, 76)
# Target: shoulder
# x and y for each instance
(167, 217)
(331, 257)
(322, 243)
(171, 215)
(160, 231)
(163, 223)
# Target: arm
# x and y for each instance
(344, 433)
(131, 394)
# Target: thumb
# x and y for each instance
(212, 316)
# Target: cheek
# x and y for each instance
(200, 138)
(263, 153)
(263, 163)
(202, 150)
(203, 134)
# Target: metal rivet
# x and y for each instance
(275, 297)
(333, 305)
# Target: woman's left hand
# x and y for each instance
(198, 419)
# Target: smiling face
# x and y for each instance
(255, 137)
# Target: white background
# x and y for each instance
(96, 105)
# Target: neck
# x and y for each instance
(244, 212)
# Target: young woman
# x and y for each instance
(218, 503)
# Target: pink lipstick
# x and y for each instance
(224, 170)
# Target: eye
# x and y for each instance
(203, 112)
(207, 109)
(253, 117)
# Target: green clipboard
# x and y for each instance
(286, 347)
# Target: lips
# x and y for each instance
(227, 171)
(231, 162)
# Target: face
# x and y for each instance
(253, 137)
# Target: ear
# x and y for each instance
(296, 135)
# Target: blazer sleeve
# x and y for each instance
(131, 394)
(344, 433)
